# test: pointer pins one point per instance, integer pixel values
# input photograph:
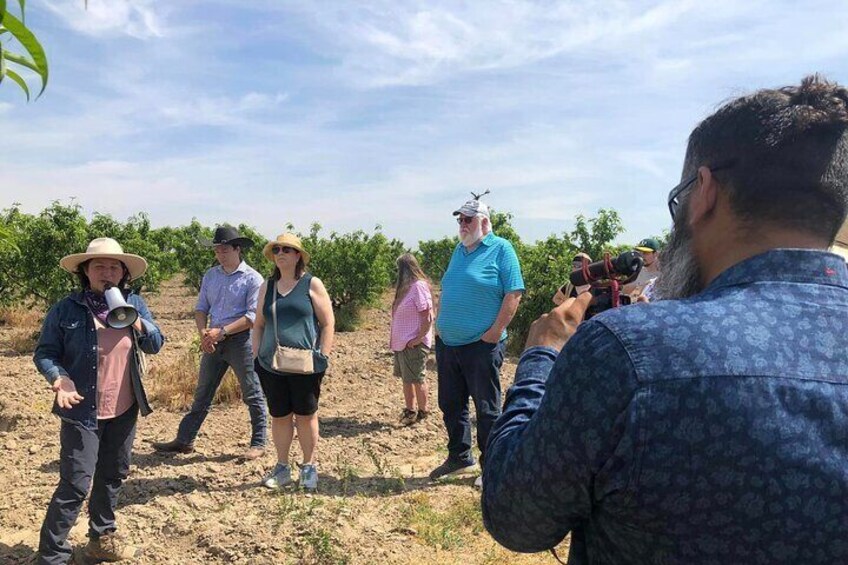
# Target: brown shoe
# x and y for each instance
(422, 414)
(408, 417)
(109, 547)
(175, 446)
(253, 453)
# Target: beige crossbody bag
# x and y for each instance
(289, 359)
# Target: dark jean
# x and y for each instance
(103, 453)
(469, 370)
(235, 352)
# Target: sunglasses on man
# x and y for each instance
(677, 191)
(464, 219)
(277, 249)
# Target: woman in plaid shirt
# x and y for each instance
(412, 336)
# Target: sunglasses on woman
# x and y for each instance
(277, 249)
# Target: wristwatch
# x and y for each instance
(224, 332)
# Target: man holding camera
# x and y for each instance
(226, 308)
(709, 427)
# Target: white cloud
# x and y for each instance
(220, 111)
(135, 18)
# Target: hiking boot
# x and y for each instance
(451, 467)
(279, 477)
(108, 547)
(254, 453)
(308, 477)
(408, 417)
(175, 446)
(422, 415)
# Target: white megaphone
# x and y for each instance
(121, 315)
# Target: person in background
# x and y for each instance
(649, 249)
(96, 375)
(568, 290)
(224, 315)
(481, 290)
(411, 336)
(297, 314)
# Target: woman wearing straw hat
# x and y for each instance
(96, 374)
(292, 338)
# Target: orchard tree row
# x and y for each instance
(356, 267)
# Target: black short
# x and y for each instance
(287, 393)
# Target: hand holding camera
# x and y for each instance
(556, 327)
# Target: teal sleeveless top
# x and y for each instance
(297, 325)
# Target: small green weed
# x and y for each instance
(447, 529)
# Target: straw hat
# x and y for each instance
(105, 248)
(289, 240)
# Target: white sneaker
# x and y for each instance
(279, 477)
(308, 477)
(478, 482)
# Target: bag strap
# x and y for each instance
(274, 310)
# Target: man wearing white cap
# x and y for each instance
(481, 290)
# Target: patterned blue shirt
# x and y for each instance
(473, 289)
(227, 297)
(707, 430)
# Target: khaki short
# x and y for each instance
(410, 363)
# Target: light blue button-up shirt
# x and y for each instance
(227, 297)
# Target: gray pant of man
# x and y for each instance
(103, 454)
(235, 352)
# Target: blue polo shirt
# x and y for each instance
(474, 287)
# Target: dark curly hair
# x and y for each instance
(783, 155)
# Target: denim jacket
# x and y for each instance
(707, 430)
(68, 348)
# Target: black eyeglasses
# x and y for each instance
(464, 219)
(677, 191)
(277, 249)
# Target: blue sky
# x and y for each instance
(354, 114)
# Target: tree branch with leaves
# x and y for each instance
(20, 49)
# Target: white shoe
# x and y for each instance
(478, 482)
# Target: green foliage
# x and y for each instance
(29, 269)
(434, 256)
(30, 53)
(595, 235)
(356, 267)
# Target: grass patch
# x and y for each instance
(348, 473)
(391, 479)
(17, 317)
(304, 517)
(23, 341)
(446, 529)
(172, 382)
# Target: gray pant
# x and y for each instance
(103, 453)
(235, 352)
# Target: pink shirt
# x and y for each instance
(114, 388)
(405, 320)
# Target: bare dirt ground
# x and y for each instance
(374, 504)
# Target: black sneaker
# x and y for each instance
(450, 467)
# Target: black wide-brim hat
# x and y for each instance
(227, 235)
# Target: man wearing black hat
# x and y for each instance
(226, 308)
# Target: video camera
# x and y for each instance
(606, 277)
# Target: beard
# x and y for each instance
(472, 237)
(681, 274)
